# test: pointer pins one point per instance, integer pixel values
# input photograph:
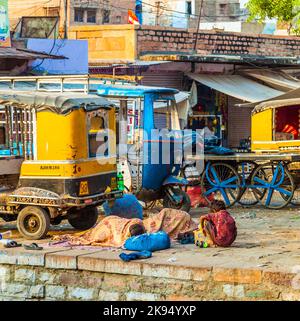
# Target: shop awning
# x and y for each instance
(237, 86)
(275, 78)
(25, 54)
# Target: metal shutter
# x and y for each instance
(169, 79)
(239, 122)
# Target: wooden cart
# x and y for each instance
(250, 178)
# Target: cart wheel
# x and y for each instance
(221, 181)
(245, 170)
(276, 189)
(33, 222)
(84, 218)
(191, 173)
(185, 205)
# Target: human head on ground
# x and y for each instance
(137, 229)
(217, 205)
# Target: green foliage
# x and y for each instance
(284, 10)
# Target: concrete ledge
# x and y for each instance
(71, 274)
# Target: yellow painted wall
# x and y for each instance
(107, 43)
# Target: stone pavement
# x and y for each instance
(263, 264)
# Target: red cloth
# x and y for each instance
(225, 231)
(195, 194)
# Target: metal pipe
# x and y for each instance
(22, 131)
(6, 127)
(25, 134)
(30, 133)
(16, 122)
(10, 121)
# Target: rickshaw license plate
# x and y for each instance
(84, 188)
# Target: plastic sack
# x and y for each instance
(148, 242)
(128, 207)
(218, 150)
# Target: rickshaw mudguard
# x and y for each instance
(34, 196)
(173, 180)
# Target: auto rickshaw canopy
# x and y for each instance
(61, 103)
(272, 104)
(136, 91)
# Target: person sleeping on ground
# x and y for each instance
(113, 231)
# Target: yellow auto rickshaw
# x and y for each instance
(57, 159)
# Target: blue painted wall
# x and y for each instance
(75, 50)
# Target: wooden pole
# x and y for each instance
(66, 19)
(198, 26)
(157, 12)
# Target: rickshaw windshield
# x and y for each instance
(166, 115)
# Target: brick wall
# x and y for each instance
(151, 39)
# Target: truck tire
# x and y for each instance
(83, 219)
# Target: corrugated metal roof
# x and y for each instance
(237, 86)
(141, 63)
(16, 53)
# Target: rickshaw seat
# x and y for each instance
(283, 136)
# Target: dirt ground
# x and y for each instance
(266, 239)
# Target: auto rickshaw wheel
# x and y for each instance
(84, 218)
(33, 222)
(185, 205)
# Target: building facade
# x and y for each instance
(219, 10)
(74, 12)
(185, 13)
(166, 13)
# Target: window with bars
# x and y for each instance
(78, 15)
(105, 16)
(234, 9)
(188, 7)
(91, 16)
(222, 8)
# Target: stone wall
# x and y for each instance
(60, 274)
(166, 40)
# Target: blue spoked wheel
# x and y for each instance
(275, 188)
(246, 170)
(221, 181)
